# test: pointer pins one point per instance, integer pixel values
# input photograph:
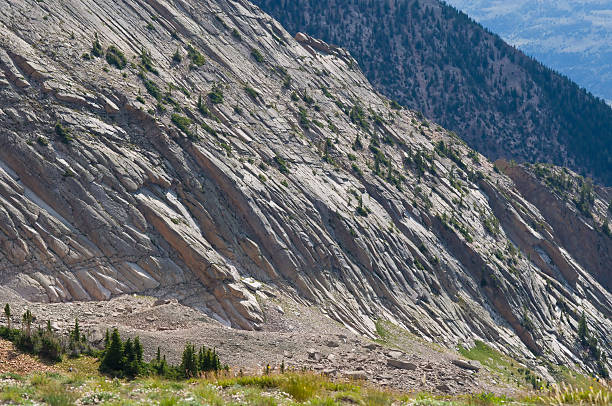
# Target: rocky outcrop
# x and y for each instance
(225, 154)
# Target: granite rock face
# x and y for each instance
(225, 154)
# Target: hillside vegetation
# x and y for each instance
(430, 57)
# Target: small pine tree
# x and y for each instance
(201, 360)
(112, 359)
(128, 351)
(7, 313)
(96, 49)
(106, 340)
(138, 350)
(189, 365)
(75, 335)
(131, 365)
(583, 329)
(27, 321)
(216, 364)
(158, 356)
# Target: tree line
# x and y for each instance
(119, 358)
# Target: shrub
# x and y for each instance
(308, 99)
(357, 116)
(115, 57)
(183, 123)
(491, 224)
(44, 343)
(96, 48)
(150, 86)
(177, 58)
(257, 55)
(282, 164)
(209, 129)
(147, 62)
(202, 108)
(63, 133)
(251, 92)
(50, 345)
(395, 105)
(586, 199)
(216, 95)
(77, 342)
(583, 330)
(361, 209)
(304, 122)
(196, 57)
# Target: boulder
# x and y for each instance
(396, 363)
(465, 365)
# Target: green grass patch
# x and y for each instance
(487, 356)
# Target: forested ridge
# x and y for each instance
(433, 58)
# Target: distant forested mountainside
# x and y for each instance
(431, 57)
(573, 37)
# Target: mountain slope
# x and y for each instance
(572, 37)
(195, 150)
(430, 57)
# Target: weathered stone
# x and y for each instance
(443, 387)
(396, 363)
(465, 365)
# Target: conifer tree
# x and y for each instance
(7, 313)
(112, 359)
(27, 321)
(75, 335)
(128, 351)
(583, 330)
(138, 350)
(201, 363)
(189, 365)
(106, 340)
(216, 364)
